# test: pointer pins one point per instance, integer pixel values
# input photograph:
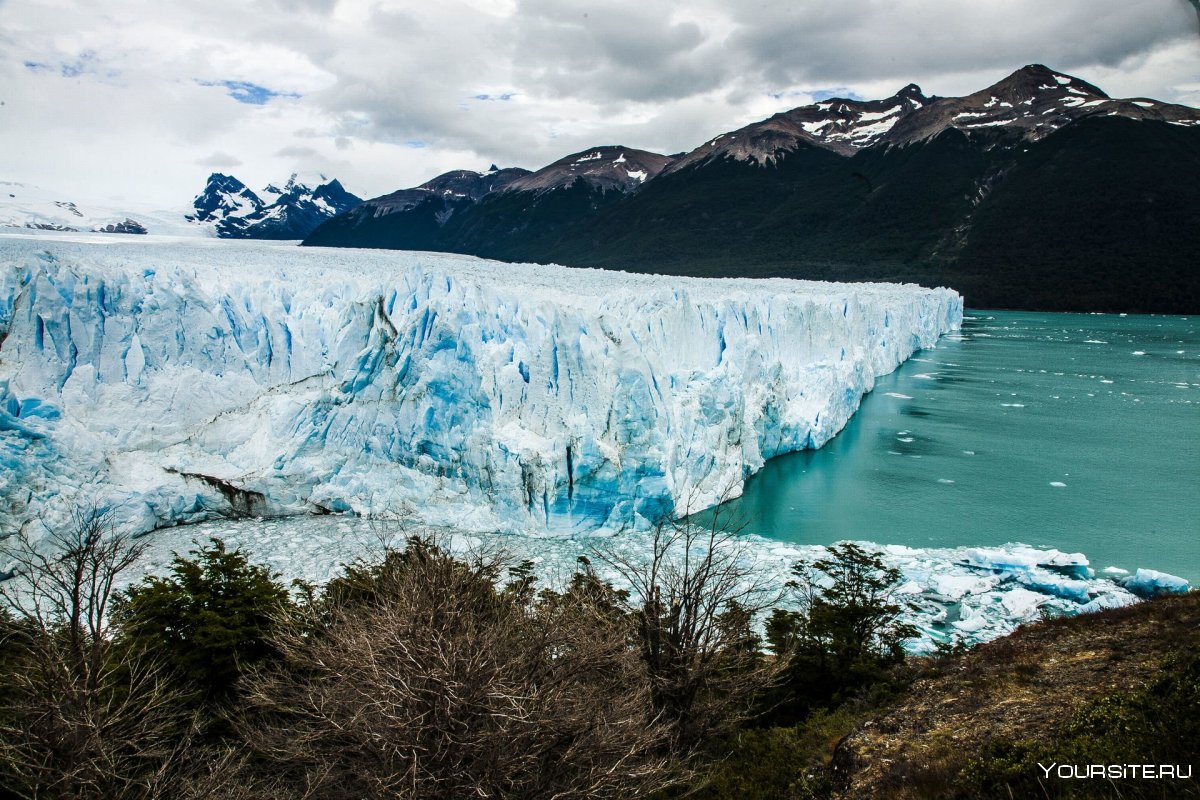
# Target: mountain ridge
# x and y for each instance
(905, 188)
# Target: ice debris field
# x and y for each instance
(184, 381)
(965, 594)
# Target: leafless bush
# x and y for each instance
(77, 720)
(695, 596)
(422, 679)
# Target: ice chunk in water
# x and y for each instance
(1152, 583)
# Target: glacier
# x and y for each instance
(307, 404)
(33, 207)
(177, 381)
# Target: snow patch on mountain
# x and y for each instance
(184, 382)
(1033, 102)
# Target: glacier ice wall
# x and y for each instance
(178, 381)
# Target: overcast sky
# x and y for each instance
(142, 99)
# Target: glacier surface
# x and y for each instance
(180, 381)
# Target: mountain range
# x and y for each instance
(1038, 192)
(226, 208)
(293, 212)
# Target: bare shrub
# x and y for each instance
(77, 719)
(421, 678)
(695, 596)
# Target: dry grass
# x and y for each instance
(1019, 688)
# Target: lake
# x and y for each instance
(1079, 432)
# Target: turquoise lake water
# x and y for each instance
(1073, 431)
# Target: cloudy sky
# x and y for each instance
(141, 99)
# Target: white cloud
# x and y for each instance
(219, 160)
(142, 100)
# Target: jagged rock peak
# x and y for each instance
(221, 179)
(224, 196)
(289, 213)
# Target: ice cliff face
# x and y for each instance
(183, 381)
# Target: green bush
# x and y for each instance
(845, 639)
(208, 620)
(778, 763)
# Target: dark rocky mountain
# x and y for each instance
(461, 211)
(1037, 192)
(460, 184)
(125, 226)
(416, 216)
(224, 196)
(1094, 217)
(605, 168)
(1033, 102)
(293, 212)
(842, 125)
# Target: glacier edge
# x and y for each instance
(182, 381)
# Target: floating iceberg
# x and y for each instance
(1048, 571)
(1020, 557)
(953, 588)
(1152, 583)
(180, 381)
(1106, 601)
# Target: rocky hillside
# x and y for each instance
(450, 187)
(839, 124)
(1115, 687)
(605, 168)
(1032, 102)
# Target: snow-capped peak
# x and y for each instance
(839, 123)
(289, 213)
(1032, 102)
(224, 196)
